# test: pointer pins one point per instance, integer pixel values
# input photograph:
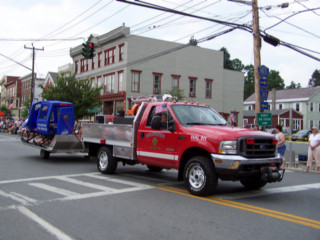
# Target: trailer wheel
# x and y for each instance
(44, 154)
(253, 183)
(154, 168)
(200, 176)
(107, 164)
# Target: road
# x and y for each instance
(64, 197)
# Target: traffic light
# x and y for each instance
(88, 49)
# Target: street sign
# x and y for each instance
(264, 119)
(263, 83)
(264, 106)
(263, 71)
(95, 110)
(264, 94)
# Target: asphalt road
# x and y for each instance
(65, 197)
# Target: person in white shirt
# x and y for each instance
(314, 149)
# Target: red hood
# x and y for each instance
(225, 132)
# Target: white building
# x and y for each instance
(128, 66)
(303, 100)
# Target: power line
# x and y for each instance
(283, 20)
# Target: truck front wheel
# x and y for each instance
(200, 176)
(106, 163)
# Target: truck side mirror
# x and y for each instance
(156, 122)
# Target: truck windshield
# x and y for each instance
(197, 115)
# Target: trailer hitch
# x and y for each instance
(272, 174)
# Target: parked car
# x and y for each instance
(273, 131)
(301, 135)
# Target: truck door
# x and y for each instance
(157, 147)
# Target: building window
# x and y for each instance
(208, 93)
(121, 51)
(82, 67)
(109, 83)
(192, 86)
(249, 107)
(99, 59)
(157, 83)
(92, 63)
(280, 106)
(319, 109)
(120, 81)
(100, 84)
(296, 124)
(109, 56)
(135, 80)
(297, 107)
(311, 124)
(311, 107)
(76, 67)
(175, 84)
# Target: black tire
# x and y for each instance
(107, 164)
(154, 168)
(253, 183)
(200, 176)
(44, 154)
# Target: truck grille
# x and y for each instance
(257, 147)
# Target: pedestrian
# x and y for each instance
(281, 146)
(255, 127)
(314, 149)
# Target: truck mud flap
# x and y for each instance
(272, 174)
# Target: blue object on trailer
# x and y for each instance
(51, 118)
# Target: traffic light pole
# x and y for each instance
(32, 77)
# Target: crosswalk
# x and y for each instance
(34, 191)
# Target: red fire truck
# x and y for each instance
(189, 137)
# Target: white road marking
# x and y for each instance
(44, 224)
(85, 184)
(54, 189)
(267, 191)
(14, 197)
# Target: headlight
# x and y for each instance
(228, 147)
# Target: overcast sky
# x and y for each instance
(58, 25)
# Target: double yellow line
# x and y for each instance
(246, 207)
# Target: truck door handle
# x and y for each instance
(181, 137)
(142, 135)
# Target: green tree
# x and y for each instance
(275, 80)
(5, 110)
(293, 85)
(227, 63)
(26, 108)
(315, 79)
(178, 96)
(248, 81)
(79, 92)
(237, 65)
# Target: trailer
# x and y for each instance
(49, 127)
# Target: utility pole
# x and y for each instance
(32, 77)
(257, 58)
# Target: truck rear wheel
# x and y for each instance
(253, 183)
(200, 176)
(106, 163)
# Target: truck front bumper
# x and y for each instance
(235, 167)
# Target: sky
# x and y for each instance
(55, 26)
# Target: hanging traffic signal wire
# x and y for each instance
(267, 38)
